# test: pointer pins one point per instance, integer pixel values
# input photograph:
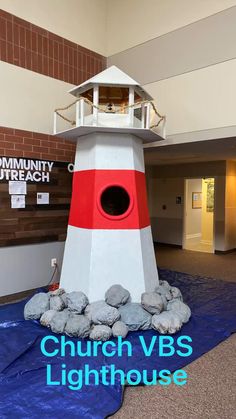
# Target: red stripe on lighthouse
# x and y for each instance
(86, 210)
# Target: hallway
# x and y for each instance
(220, 266)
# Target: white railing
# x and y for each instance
(86, 113)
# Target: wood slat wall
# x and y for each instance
(37, 223)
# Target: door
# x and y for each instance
(199, 215)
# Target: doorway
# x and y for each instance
(199, 215)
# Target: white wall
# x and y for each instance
(183, 53)
(166, 215)
(28, 267)
(230, 206)
(195, 101)
(80, 21)
(28, 99)
(132, 22)
(199, 100)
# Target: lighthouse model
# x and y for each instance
(109, 239)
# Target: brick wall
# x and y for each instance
(19, 143)
(34, 48)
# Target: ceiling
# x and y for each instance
(197, 151)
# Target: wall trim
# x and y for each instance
(225, 252)
(17, 296)
(176, 246)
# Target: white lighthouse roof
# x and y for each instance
(112, 76)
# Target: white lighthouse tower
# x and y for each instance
(109, 238)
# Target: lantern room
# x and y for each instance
(111, 101)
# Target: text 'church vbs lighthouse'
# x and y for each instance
(109, 239)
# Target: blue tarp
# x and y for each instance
(23, 389)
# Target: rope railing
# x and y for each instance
(101, 109)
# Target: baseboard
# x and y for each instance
(17, 296)
(224, 252)
(176, 246)
(179, 246)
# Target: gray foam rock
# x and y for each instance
(57, 292)
(176, 293)
(166, 322)
(165, 284)
(120, 329)
(77, 301)
(100, 332)
(164, 300)
(64, 299)
(180, 308)
(46, 318)
(152, 302)
(77, 325)
(135, 317)
(36, 306)
(58, 321)
(56, 303)
(117, 296)
(100, 312)
(163, 290)
(92, 308)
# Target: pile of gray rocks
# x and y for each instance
(70, 313)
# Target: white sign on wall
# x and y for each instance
(17, 187)
(42, 198)
(17, 201)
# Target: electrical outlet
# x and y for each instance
(53, 262)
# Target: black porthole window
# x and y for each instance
(115, 200)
